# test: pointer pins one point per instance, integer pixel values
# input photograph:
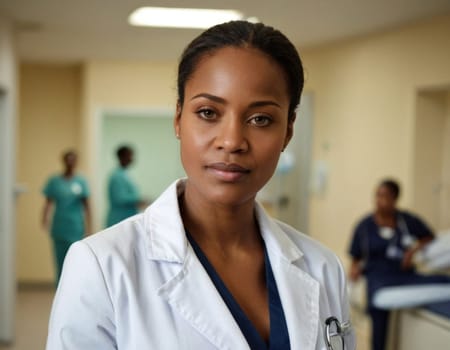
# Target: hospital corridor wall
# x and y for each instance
(49, 124)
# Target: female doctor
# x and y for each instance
(204, 267)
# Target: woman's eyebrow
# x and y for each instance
(210, 97)
(264, 103)
(223, 101)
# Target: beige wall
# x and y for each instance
(364, 92)
(445, 193)
(49, 123)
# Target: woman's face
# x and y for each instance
(385, 200)
(70, 161)
(233, 124)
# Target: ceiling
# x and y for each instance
(76, 30)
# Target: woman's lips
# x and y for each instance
(227, 172)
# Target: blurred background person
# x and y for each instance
(383, 246)
(67, 194)
(123, 194)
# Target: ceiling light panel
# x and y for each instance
(181, 17)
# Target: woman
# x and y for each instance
(68, 193)
(204, 267)
(123, 195)
(383, 247)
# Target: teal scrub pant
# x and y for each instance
(60, 248)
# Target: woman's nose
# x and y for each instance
(231, 136)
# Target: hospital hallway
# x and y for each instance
(33, 306)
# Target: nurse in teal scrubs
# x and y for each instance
(68, 194)
(123, 195)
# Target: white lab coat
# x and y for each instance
(139, 285)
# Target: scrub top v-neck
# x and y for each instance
(279, 336)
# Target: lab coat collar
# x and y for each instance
(166, 239)
(166, 234)
(299, 292)
(274, 238)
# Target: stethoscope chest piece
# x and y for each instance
(335, 332)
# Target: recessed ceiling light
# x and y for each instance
(181, 17)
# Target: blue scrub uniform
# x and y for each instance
(123, 197)
(68, 217)
(279, 336)
(382, 263)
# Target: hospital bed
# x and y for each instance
(420, 328)
(420, 315)
(426, 326)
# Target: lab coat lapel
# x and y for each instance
(299, 292)
(203, 307)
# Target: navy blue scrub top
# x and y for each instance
(279, 335)
(381, 267)
(367, 244)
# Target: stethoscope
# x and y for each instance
(405, 239)
(335, 332)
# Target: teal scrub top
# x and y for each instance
(68, 217)
(123, 197)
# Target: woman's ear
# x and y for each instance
(176, 120)
(290, 130)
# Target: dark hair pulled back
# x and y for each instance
(392, 185)
(123, 150)
(245, 34)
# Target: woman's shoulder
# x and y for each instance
(80, 177)
(311, 248)
(120, 241)
(362, 223)
(317, 260)
(407, 215)
(54, 177)
(367, 218)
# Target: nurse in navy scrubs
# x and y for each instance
(383, 247)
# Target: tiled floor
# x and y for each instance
(32, 313)
(33, 308)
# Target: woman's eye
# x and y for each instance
(206, 113)
(260, 120)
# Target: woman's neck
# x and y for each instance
(385, 218)
(68, 173)
(220, 227)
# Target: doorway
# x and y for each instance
(156, 152)
(432, 157)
